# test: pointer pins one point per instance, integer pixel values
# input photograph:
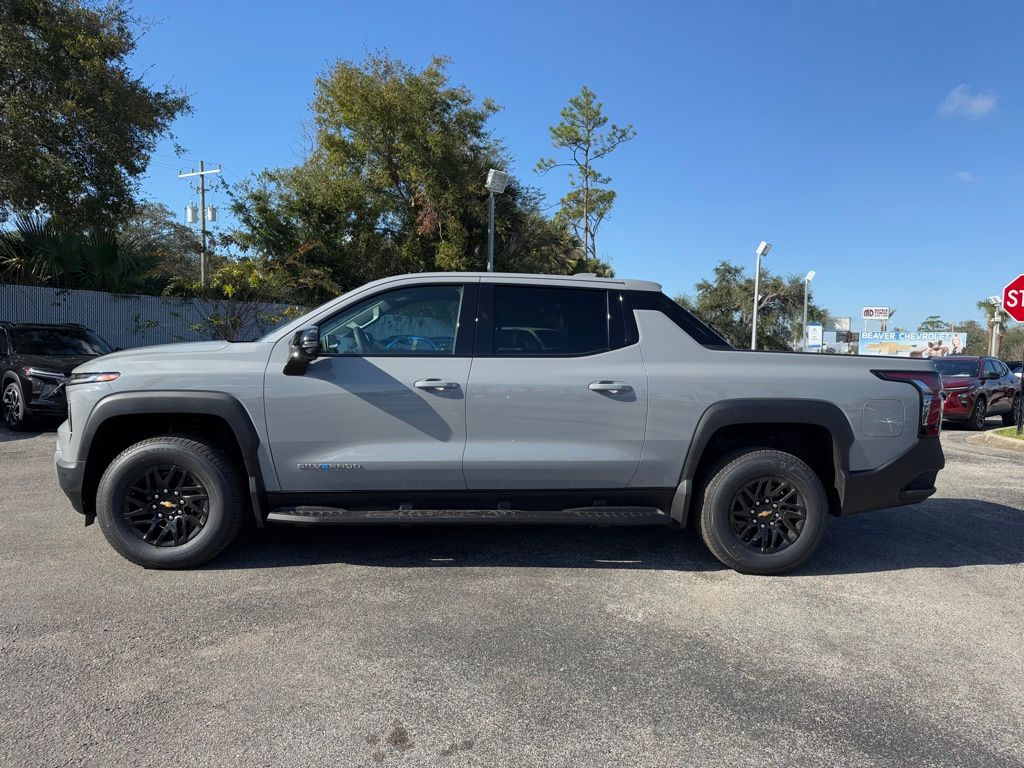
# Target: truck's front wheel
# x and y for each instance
(762, 511)
(169, 502)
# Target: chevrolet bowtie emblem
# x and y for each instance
(168, 504)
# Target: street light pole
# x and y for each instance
(995, 325)
(807, 283)
(495, 185)
(490, 232)
(762, 250)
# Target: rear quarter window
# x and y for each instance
(692, 325)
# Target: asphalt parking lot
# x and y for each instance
(901, 643)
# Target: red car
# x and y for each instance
(975, 388)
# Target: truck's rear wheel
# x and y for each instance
(169, 502)
(762, 511)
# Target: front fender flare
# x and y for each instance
(218, 404)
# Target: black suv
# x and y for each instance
(35, 363)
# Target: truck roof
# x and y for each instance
(628, 284)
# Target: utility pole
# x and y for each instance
(201, 173)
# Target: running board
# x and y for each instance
(574, 516)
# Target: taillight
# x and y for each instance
(929, 387)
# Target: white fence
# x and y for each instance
(124, 320)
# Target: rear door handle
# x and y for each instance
(611, 387)
(436, 385)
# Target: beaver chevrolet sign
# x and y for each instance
(911, 344)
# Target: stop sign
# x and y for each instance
(1013, 299)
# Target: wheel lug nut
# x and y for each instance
(154, 506)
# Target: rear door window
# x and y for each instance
(539, 321)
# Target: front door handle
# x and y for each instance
(611, 387)
(436, 385)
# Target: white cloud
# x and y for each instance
(965, 177)
(963, 102)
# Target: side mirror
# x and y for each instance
(991, 375)
(303, 349)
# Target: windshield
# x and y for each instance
(58, 342)
(950, 368)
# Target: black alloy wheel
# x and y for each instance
(13, 406)
(1010, 419)
(166, 505)
(767, 515)
(171, 501)
(977, 419)
(762, 511)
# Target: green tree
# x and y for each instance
(42, 251)
(76, 125)
(1012, 336)
(394, 183)
(726, 304)
(169, 248)
(974, 336)
(585, 134)
(242, 297)
(933, 324)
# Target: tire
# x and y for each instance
(976, 420)
(724, 503)
(1010, 418)
(202, 502)
(12, 403)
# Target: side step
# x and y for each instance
(574, 516)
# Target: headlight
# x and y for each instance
(91, 378)
(42, 373)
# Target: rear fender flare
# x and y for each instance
(790, 411)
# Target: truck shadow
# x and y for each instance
(938, 533)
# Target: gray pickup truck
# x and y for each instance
(498, 398)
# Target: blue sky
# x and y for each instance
(878, 143)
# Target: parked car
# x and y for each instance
(35, 363)
(632, 411)
(1016, 367)
(975, 388)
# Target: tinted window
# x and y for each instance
(549, 321)
(991, 367)
(696, 328)
(58, 342)
(411, 321)
(949, 368)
